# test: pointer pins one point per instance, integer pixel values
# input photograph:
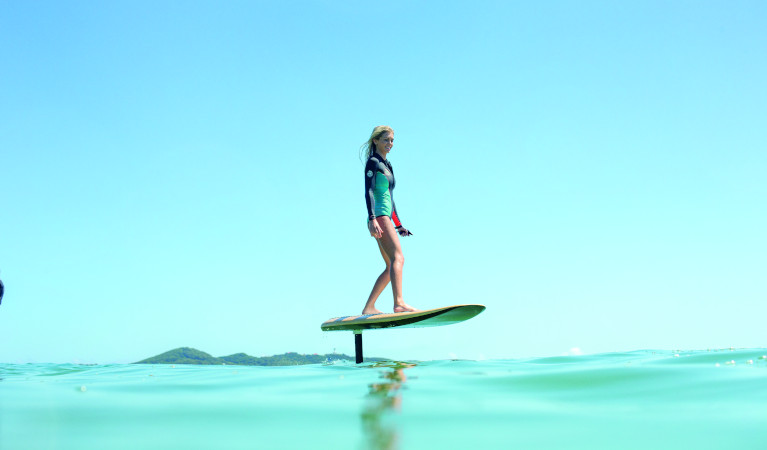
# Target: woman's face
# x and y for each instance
(384, 143)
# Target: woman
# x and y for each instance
(379, 183)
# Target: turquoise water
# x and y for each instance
(637, 400)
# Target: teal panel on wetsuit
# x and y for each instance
(382, 196)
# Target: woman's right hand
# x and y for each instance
(375, 229)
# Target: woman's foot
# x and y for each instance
(404, 308)
(369, 311)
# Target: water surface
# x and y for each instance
(637, 400)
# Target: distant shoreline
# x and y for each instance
(188, 355)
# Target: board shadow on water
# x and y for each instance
(384, 399)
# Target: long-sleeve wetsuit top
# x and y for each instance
(379, 184)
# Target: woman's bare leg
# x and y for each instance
(379, 286)
(390, 246)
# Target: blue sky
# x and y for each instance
(186, 174)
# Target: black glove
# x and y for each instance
(403, 231)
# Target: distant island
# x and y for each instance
(186, 355)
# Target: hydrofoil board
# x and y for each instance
(446, 315)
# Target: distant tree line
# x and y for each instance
(186, 355)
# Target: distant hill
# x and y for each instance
(183, 355)
(186, 355)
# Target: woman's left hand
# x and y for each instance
(374, 229)
(404, 231)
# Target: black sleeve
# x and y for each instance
(370, 175)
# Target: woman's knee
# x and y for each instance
(398, 260)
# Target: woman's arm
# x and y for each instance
(370, 176)
(397, 223)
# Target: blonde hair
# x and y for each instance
(369, 147)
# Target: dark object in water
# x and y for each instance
(2, 289)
